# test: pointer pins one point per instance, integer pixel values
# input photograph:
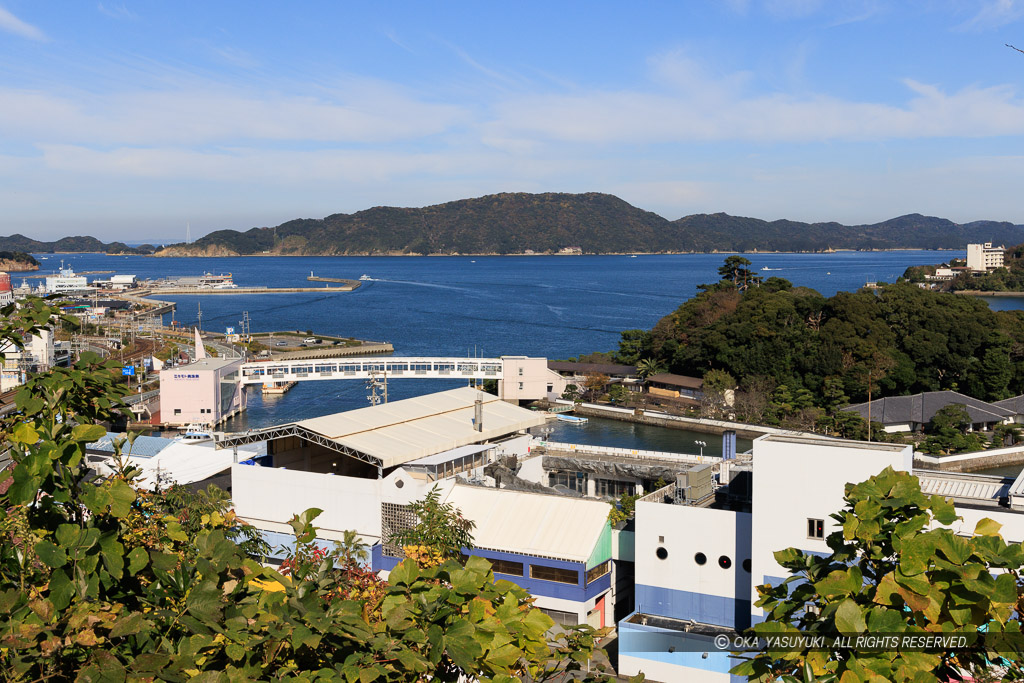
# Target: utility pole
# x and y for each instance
(200, 316)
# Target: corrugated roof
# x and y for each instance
(396, 433)
(184, 463)
(963, 486)
(144, 446)
(453, 454)
(532, 523)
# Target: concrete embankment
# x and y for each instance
(972, 462)
(246, 290)
(692, 424)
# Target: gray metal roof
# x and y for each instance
(583, 368)
(144, 446)
(965, 487)
(920, 408)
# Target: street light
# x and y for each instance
(702, 444)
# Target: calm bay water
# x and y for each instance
(550, 306)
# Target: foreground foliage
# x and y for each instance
(890, 572)
(103, 582)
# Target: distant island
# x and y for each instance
(16, 261)
(552, 223)
(70, 245)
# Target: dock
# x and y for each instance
(316, 278)
(245, 290)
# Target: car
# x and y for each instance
(303, 344)
(281, 343)
(310, 340)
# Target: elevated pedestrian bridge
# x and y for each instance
(262, 372)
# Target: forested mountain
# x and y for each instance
(79, 244)
(515, 223)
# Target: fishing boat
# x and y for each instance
(572, 419)
(365, 278)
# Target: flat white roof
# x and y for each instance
(399, 432)
(532, 523)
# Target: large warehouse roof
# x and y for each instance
(532, 523)
(396, 433)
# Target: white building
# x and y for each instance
(984, 257)
(66, 282)
(38, 356)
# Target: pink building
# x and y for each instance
(207, 392)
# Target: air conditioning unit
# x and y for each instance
(694, 484)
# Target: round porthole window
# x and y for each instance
(746, 566)
(661, 553)
(399, 483)
(700, 558)
(724, 562)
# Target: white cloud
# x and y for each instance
(360, 113)
(12, 24)
(993, 14)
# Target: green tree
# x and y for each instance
(440, 528)
(894, 568)
(571, 392)
(646, 367)
(618, 393)
(633, 346)
(948, 431)
(735, 270)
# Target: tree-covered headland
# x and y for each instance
(797, 356)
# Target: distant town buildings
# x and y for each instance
(984, 257)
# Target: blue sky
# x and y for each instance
(127, 119)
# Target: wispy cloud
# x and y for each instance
(12, 24)
(116, 10)
(994, 14)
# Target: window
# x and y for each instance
(506, 567)
(520, 372)
(610, 488)
(560, 617)
(746, 565)
(816, 528)
(724, 562)
(599, 571)
(177, 411)
(700, 558)
(539, 571)
(661, 553)
(520, 386)
(574, 481)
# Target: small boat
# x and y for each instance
(195, 433)
(365, 278)
(571, 418)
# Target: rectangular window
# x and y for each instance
(574, 481)
(815, 528)
(539, 571)
(520, 386)
(611, 488)
(599, 571)
(506, 567)
(177, 411)
(560, 617)
(500, 566)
